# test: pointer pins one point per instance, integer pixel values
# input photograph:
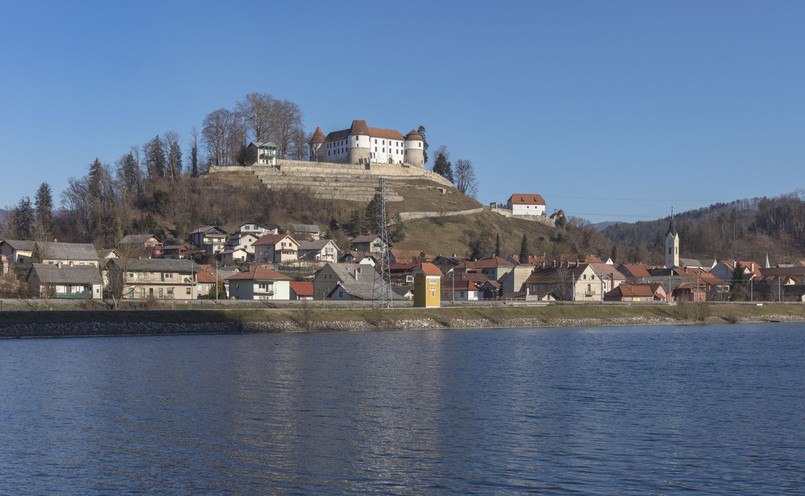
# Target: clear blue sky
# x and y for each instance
(613, 110)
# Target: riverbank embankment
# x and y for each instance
(314, 318)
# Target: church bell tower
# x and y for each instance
(672, 245)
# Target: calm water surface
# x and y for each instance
(664, 410)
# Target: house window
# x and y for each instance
(187, 291)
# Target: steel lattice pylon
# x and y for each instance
(381, 289)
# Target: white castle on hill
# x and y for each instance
(361, 144)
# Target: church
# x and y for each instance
(361, 144)
(672, 246)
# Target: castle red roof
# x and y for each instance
(526, 199)
(318, 136)
(359, 127)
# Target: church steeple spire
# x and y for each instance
(672, 244)
(672, 226)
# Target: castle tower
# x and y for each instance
(415, 149)
(316, 148)
(672, 245)
(358, 143)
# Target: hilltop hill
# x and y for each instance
(742, 229)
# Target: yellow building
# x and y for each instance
(427, 291)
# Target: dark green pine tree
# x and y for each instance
(44, 208)
(24, 219)
(524, 250)
(497, 245)
(194, 159)
(442, 165)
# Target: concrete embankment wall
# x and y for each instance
(426, 215)
(63, 323)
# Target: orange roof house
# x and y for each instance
(526, 204)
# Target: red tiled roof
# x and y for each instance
(359, 127)
(318, 136)
(430, 270)
(414, 135)
(526, 199)
(302, 288)
(635, 291)
(486, 263)
(636, 270)
(206, 274)
(272, 239)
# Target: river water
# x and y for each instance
(620, 410)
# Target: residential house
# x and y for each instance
(259, 283)
(633, 271)
(161, 278)
(209, 238)
(526, 204)
(358, 257)
(264, 153)
(140, 245)
(309, 232)
(688, 291)
(446, 264)
(257, 229)
(234, 256)
(107, 254)
(301, 290)
(66, 281)
(578, 282)
(65, 254)
(175, 252)
(608, 275)
(324, 250)
(349, 281)
(242, 240)
(206, 276)
(693, 263)
(632, 293)
(460, 289)
(276, 248)
(402, 273)
(514, 280)
(369, 243)
(492, 267)
(17, 252)
(725, 269)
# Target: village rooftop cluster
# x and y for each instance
(259, 262)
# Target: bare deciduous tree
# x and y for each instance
(256, 111)
(466, 181)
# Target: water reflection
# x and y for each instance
(626, 410)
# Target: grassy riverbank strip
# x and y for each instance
(305, 317)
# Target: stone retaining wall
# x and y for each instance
(427, 215)
(335, 181)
